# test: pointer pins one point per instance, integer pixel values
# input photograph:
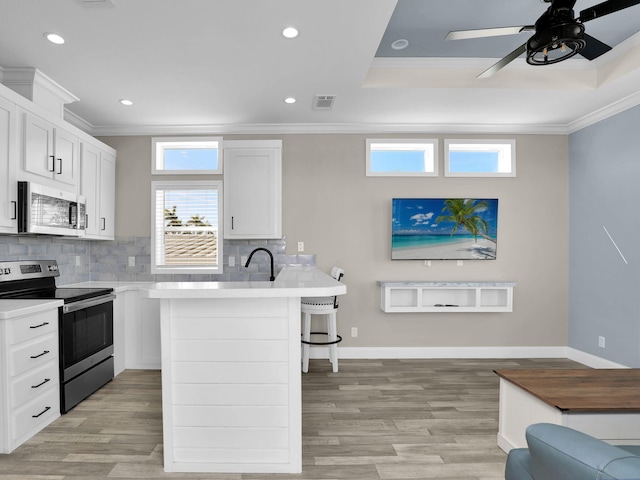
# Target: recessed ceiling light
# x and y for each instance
(126, 102)
(290, 32)
(54, 38)
(289, 100)
(400, 44)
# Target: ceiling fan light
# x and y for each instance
(555, 43)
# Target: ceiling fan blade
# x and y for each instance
(488, 32)
(605, 8)
(594, 48)
(504, 62)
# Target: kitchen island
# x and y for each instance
(231, 387)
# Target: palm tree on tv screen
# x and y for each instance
(463, 212)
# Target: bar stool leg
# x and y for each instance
(306, 336)
(333, 336)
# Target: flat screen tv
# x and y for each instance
(444, 228)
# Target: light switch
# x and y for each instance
(132, 261)
(232, 261)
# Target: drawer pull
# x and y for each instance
(42, 412)
(41, 325)
(43, 353)
(42, 383)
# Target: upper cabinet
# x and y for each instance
(8, 164)
(97, 185)
(253, 189)
(49, 151)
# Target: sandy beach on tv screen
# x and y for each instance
(462, 250)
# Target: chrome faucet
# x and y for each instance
(246, 265)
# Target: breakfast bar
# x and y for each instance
(231, 386)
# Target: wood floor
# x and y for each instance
(375, 419)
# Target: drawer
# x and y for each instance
(34, 383)
(32, 326)
(33, 354)
(34, 416)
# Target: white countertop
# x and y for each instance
(292, 281)
(16, 308)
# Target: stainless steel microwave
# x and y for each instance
(47, 210)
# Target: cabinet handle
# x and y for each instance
(41, 383)
(42, 412)
(41, 325)
(53, 163)
(43, 353)
(60, 172)
(104, 223)
(15, 210)
(231, 223)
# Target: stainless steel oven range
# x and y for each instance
(85, 325)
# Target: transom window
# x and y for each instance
(480, 158)
(186, 225)
(401, 157)
(186, 155)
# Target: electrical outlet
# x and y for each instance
(132, 261)
(601, 342)
(300, 247)
(243, 260)
(354, 331)
(78, 263)
(232, 261)
(460, 263)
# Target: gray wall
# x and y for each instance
(344, 219)
(604, 192)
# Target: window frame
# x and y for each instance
(433, 142)
(509, 144)
(187, 269)
(157, 154)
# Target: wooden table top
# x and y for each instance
(581, 390)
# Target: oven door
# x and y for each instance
(86, 335)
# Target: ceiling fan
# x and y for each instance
(558, 34)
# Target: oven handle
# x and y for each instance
(90, 302)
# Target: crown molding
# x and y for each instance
(604, 113)
(326, 128)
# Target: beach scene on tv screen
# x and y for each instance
(444, 228)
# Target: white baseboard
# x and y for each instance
(466, 352)
(591, 360)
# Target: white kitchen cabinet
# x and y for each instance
(8, 166)
(142, 324)
(97, 185)
(29, 373)
(253, 189)
(49, 151)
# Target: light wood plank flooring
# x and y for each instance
(375, 419)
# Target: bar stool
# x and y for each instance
(327, 306)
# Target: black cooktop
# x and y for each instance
(36, 279)
(69, 295)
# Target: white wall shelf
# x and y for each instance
(458, 297)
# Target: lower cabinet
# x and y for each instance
(29, 378)
(142, 329)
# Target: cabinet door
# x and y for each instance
(66, 156)
(38, 146)
(107, 194)
(89, 187)
(252, 193)
(8, 149)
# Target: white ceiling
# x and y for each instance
(208, 66)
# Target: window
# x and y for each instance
(480, 158)
(186, 155)
(403, 158)
(186, 219)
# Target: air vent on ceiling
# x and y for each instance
(323, 102)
